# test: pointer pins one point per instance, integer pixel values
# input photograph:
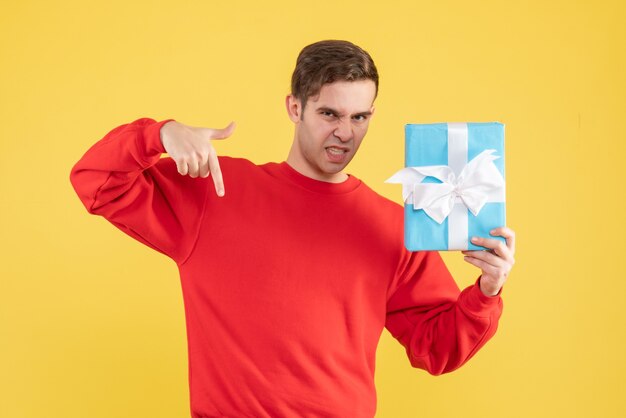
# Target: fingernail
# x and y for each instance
(493, 231)
(474, 239)
(220, 192)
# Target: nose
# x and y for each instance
(343, 131)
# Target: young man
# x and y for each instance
(290, 271)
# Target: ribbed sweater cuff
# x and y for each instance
(152, 137)
(476, 302)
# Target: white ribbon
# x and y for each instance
(480, 181)
(463, 185)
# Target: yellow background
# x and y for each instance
(92, 322)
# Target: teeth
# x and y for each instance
(335, 150)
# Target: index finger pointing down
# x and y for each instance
(216, 173)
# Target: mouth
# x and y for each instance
(336, 150)
(336, 154)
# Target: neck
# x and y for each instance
(296, 162)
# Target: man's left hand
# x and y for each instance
(496, 263)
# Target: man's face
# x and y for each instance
(331, 128)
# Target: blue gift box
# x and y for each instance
(453, 184)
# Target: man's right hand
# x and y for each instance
(190, 147)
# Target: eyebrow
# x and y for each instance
(330, 110)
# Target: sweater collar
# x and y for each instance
(287, 172)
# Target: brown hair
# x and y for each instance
(327, 61)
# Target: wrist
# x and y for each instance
(487, 290)
(163, 127)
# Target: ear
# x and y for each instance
(294, 108)
(373, 111)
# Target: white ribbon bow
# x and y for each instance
(480, 181)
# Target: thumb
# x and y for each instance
(223, 133)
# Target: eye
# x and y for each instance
(360, 118)
(327, 113)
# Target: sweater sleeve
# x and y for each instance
(440, 326)
(123, 178)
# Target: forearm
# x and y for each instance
(443, 336)
(123, 179)
(113, 163)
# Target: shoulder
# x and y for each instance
(237, 167)
(379, 201)
(230, 166)
(380, 211)
(236, 163)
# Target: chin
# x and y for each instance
(332, 169)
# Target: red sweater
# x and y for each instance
(287, 281)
